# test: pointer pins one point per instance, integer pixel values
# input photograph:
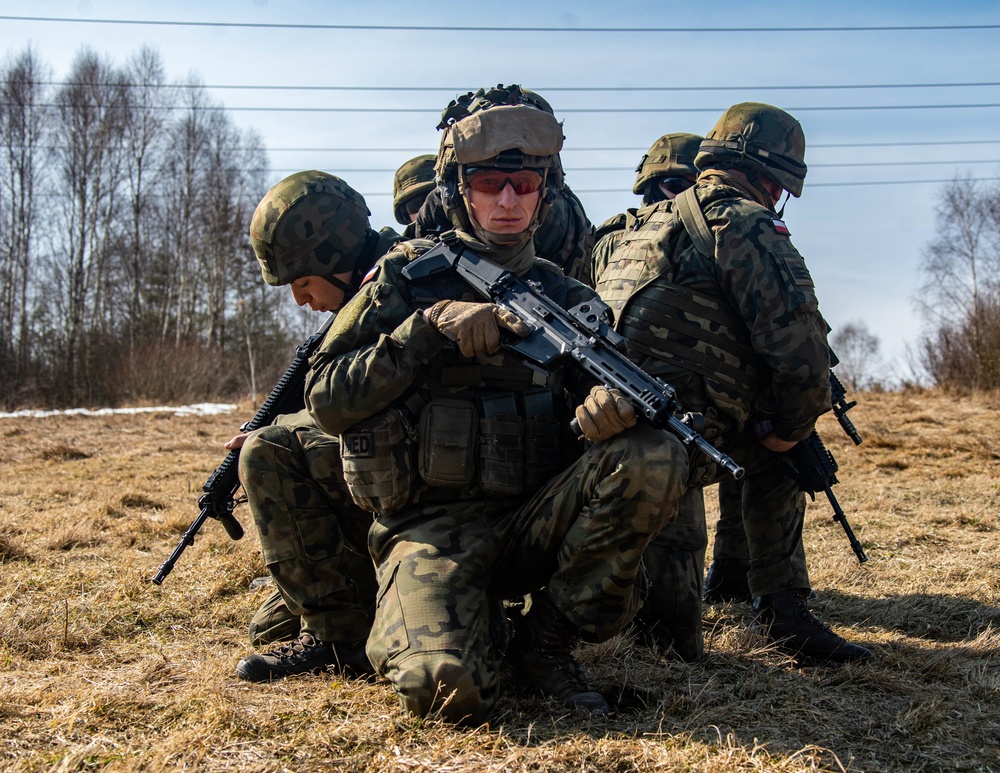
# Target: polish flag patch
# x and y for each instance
(372, 271)
(780, 227)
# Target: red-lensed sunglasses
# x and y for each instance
(493, 181)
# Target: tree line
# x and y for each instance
(125, 271)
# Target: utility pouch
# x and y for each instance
(543, 454)
(501, 447)
(378, 459)
(448, 433)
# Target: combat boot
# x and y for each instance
(540, 656)
(785, 619)
(305, 654)
(727, 581)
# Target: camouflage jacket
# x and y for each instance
(381, 352)
(736, 333)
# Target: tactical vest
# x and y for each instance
(693, 328)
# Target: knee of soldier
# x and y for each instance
(655, 463)
(441, 684)
(259, 447)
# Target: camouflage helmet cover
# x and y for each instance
(760, 137)
(309, 224)
(414, 178)
(670, 156)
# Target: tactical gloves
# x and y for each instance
(475, 326)
(604, 413)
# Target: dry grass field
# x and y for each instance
(101, 670)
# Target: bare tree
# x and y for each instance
(959, 296)
(857, 349)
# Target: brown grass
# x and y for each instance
(102, 670)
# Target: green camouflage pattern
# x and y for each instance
(305, 521)
(444, 556)
(566, 236)
(309, 224)
(760, 275)
(672, 155)
(413, 179)
(761, 137)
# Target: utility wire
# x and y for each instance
(434, 111)
(483, 28)
(548, 89)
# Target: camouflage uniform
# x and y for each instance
(721, 328)
(310, 224)
(467, 513)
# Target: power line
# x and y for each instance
(462, 28)
(551, 89)
(434, 111)
(809, 185)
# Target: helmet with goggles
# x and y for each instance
(495, 138)
(410, 186)
(761, 138)
(671, 156)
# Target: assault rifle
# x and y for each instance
(218, 499)
(581, 334)
(815, 469)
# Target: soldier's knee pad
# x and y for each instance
(441, 684)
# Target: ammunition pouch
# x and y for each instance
(378, 459)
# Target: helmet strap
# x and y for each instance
(781, 211)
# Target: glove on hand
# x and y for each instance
(475, 326)
(604, 414)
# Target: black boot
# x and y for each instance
(305, 655)
(727, 581)
(786, 620)
(540, 656)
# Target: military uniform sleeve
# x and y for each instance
(371, 355)
(768, 282)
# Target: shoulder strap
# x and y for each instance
(694, 222)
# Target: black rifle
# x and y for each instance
(581, 334)
(838, 399)
(815, 469)
(218, 501)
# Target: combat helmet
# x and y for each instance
(413, 180)
(498, 128)
(310, 224)
(670, 156)
(758, 137)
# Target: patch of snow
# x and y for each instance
(198, 409)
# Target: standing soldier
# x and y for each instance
(463, 450)
(311, 232)
(712, 295)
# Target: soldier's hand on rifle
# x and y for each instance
(765, 435)
(475, 326)
(237, 442)
(604, 413)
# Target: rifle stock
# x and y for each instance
(218, 499)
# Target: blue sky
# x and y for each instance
(863, 242)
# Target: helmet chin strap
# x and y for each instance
(781, 212)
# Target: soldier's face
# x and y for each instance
(506, 212)
(319, 294)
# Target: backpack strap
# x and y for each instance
(694, 222)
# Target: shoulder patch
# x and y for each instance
(780, 227)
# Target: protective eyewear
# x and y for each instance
(674, 185)
(493, 181)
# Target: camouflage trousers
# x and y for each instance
(306, 522)
(675, 566)
(581, 537)
(761, 518)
